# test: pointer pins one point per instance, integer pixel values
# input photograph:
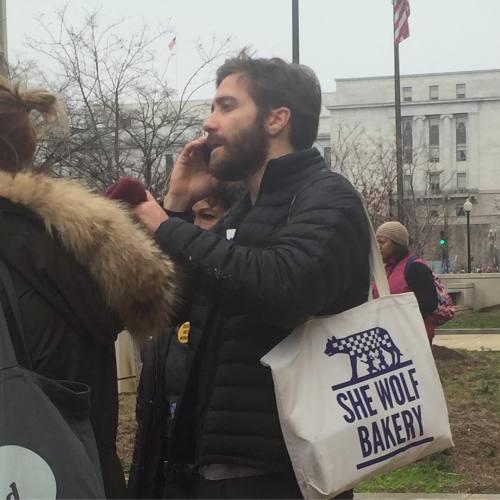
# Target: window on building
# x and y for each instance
(461, 182)
(434, 138)
(125, 121)
(407, 94)
(408, 183)
(459, 210)
(461, 136)
(460, 90)
(433, 92)
(434, 182)
(407, 126)
(327, 153)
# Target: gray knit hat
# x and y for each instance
(395, 231)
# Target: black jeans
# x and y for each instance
(266, 486)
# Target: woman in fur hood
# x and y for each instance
(82, 271)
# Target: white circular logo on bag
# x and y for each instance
(24, 474)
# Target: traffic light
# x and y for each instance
(443, 239)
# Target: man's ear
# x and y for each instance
(277, 120)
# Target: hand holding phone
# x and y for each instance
(191, 179)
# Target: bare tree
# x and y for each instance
(160, 119)
(426, 206)
(124, 118)
(370, 163)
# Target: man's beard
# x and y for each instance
(244, 155)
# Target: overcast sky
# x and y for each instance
(338, 38)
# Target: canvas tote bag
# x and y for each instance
(47, 446)
(358, 393)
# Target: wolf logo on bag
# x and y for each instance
(370, 347)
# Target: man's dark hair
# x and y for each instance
(274, 83)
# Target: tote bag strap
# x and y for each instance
(6, 282)
(377, 269)
(7, 354)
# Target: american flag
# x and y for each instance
(172, 43)
(401, 15)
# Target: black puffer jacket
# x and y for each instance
(301, 250)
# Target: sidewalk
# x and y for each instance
(424, 496)
(472, 340)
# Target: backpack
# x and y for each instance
(445, 309)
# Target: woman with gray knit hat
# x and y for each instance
(405, 272)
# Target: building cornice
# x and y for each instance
(337, 107)
(415, 75)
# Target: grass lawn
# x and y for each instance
(475, 320)
(471, 382)
(434, 475)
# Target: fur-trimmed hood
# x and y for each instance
(136, 278)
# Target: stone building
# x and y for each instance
(451, 151)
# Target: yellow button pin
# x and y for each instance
(183, 332)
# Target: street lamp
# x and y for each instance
(468, 210)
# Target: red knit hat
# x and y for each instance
(127, 189)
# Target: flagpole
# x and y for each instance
(4, 66)
(295, 32)
(176, 55)
(399, 153)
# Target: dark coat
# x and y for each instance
(67, 338)
(300, 250)
(161, 386)
(70, 319)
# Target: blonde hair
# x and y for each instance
(17, 127)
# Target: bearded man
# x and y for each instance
(296, 246)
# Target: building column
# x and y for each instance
(420, 152)
(420, 136)
(446, 150)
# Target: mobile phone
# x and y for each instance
(206, 151)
